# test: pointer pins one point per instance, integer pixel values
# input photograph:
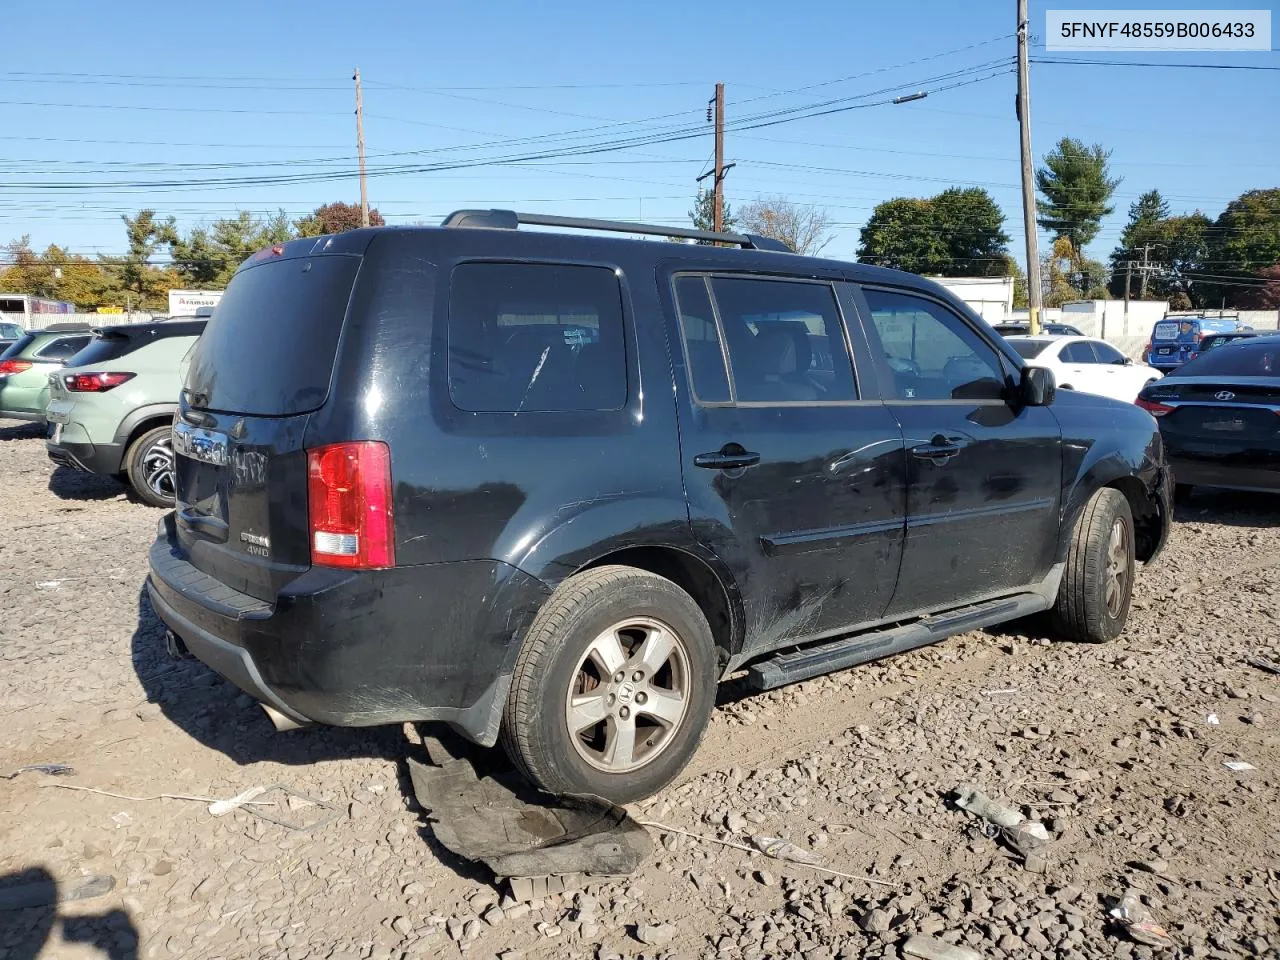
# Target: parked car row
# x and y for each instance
(107, 397)
(434, 474)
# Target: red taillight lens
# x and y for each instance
(1193, 354)
(14, 366)
(349, 504)
(1154, 408)
(95, 382)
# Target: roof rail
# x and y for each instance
(510, 220)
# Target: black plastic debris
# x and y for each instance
(50, 769)
(537, 841)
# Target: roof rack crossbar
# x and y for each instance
(510, 220)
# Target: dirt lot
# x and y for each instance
(1110, 745)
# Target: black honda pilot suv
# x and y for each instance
(551, 487)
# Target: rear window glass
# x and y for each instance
(101, 350)
(1028, 349)
(529, 337)
(62, 348)
(1244, 359)
(1165, 331)
(270, 348)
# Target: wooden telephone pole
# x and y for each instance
(364, 185)
(1034, 300)
(718, 217)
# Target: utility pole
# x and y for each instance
(1128, 279)
(364, 184)
(1146, 257)
(718, 216)
(1034, 299)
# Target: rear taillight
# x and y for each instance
(13, 366)
(95, 382)
(349, 505)
(1154, 408)
(1193, 354)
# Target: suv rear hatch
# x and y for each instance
(263, 365)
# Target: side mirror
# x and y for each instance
(1127, 362)
(1037, 387)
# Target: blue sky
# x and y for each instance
(172, 94)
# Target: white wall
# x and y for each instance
(990, 297)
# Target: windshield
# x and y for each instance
(1244, 358)
(1029, 349)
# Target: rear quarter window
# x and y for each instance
(530, 337)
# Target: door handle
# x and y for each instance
(730, 457)
(939, 450)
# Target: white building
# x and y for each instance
(1111, 320)
(990, 297)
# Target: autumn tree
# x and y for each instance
(1076, 191)
(804, 228)
(334, 217)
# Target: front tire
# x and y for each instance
(613, 687)
(149, 465)
(1097, 586)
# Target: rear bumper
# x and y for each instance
(1229, 474)
(103, 458)
(431, 642)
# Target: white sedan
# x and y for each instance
(1087, 365)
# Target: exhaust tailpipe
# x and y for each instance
(174, 646)
(280, 721)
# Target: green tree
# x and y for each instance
(1144, 213)
(208, 256)
(703, 215)
(959, 232)
(144, 285)
(334, 217)
(1244, 240)
(901, 233)
(1077, 191)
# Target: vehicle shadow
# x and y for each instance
(68, 484)
(216, 714)
(1233, 508)
(20, 430)
(29, 916)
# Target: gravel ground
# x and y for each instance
(1111, 746)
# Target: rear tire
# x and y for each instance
(1097, 586)
(613, 687)
(149, 466)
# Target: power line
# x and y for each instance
(1075, 61)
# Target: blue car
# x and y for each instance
(1175, 340)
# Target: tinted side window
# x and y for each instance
(701, 341)
(1077, 353)
(785, 341)
(1107, 353)
(528, 337)
(62, 348)
(932, 353)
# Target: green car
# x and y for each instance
(26, 364)
(112, 412)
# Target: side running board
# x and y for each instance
(829, 656)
